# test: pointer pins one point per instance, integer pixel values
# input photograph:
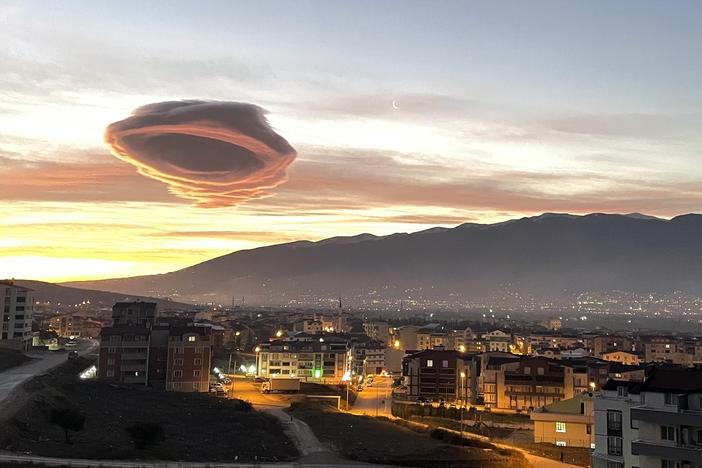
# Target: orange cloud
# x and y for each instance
(215, 153)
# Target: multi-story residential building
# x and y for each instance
(322, 360)
(369, 357)
(431, 336)
(188, 359)
(498, 340)
(650, 424)
(555, 340)
(439, 373)
(405, 338)
(533, 382)
(622, 357)
(669, 419)
(460, 339)
(142, 349)
(136, 313)
(666, 349)
(310, 326)
(566, 423)
(610, 343)
(17, 306)
(73, 325)
(614, 428)
(379, 331)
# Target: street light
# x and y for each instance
(347, 378)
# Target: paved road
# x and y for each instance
(375, 400)
(11, 378)
(312, 450)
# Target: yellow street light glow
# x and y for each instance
(462, 348)
(279, 333)
(463, 375)
(397, 344)
(258, 348)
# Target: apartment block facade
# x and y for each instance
(314, 360)
(17, 306)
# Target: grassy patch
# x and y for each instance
(192, 426)
(377, 440)
(11, 358)
(517, 438)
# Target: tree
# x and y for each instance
(144, 434)
(68, 419)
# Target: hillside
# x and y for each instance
(44, 292)
(551, 255)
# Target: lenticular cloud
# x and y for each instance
(216, 153)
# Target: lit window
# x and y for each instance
(191, 338)
(560, 427)
(430, 363)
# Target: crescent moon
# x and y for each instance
(394, 104)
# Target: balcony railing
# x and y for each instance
(689, 452)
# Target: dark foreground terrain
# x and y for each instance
(375, 440)
(192, 426)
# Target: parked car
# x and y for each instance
(260, 379)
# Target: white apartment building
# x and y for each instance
(316, 361)
(661, 422)
(17, 306)
(614, 431)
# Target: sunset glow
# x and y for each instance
(382, 142)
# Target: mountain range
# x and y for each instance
(547, 256)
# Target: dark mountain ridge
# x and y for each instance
(548, 256)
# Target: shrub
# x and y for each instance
(68, 419)
(145, 434)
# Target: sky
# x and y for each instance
(386, 116)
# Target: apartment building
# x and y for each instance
(610, 343)
(369, 357)
(666, 349)
(650, 424)
(315, 360)
(669, 419)
(566, 423)
(497, 340)
(72, 326)
(17, 306)
(135, 313)
(188, 359)
(439, 373)
(379, 331)
(614, 429)
(622, 357)
(142, 349)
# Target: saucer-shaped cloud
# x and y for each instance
(216, 153)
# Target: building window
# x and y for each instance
(196, 373)
(110, 362)
(111, 350)
(178, 362)
(622, 391)
(430, 363)
(192, 338)
(614, 445)
(667, 433)
(197, 362)
(444, 363)
(613, 464)
(196, 386)
(668, 464)
(671, 399)
(110, 373)
(614, 421)
(588, 429)
(560, 427)
(178, 373)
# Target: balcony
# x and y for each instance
(133, 356)
(667, 418)
(133, 367)
(692, 453)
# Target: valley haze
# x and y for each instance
(549, 257)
